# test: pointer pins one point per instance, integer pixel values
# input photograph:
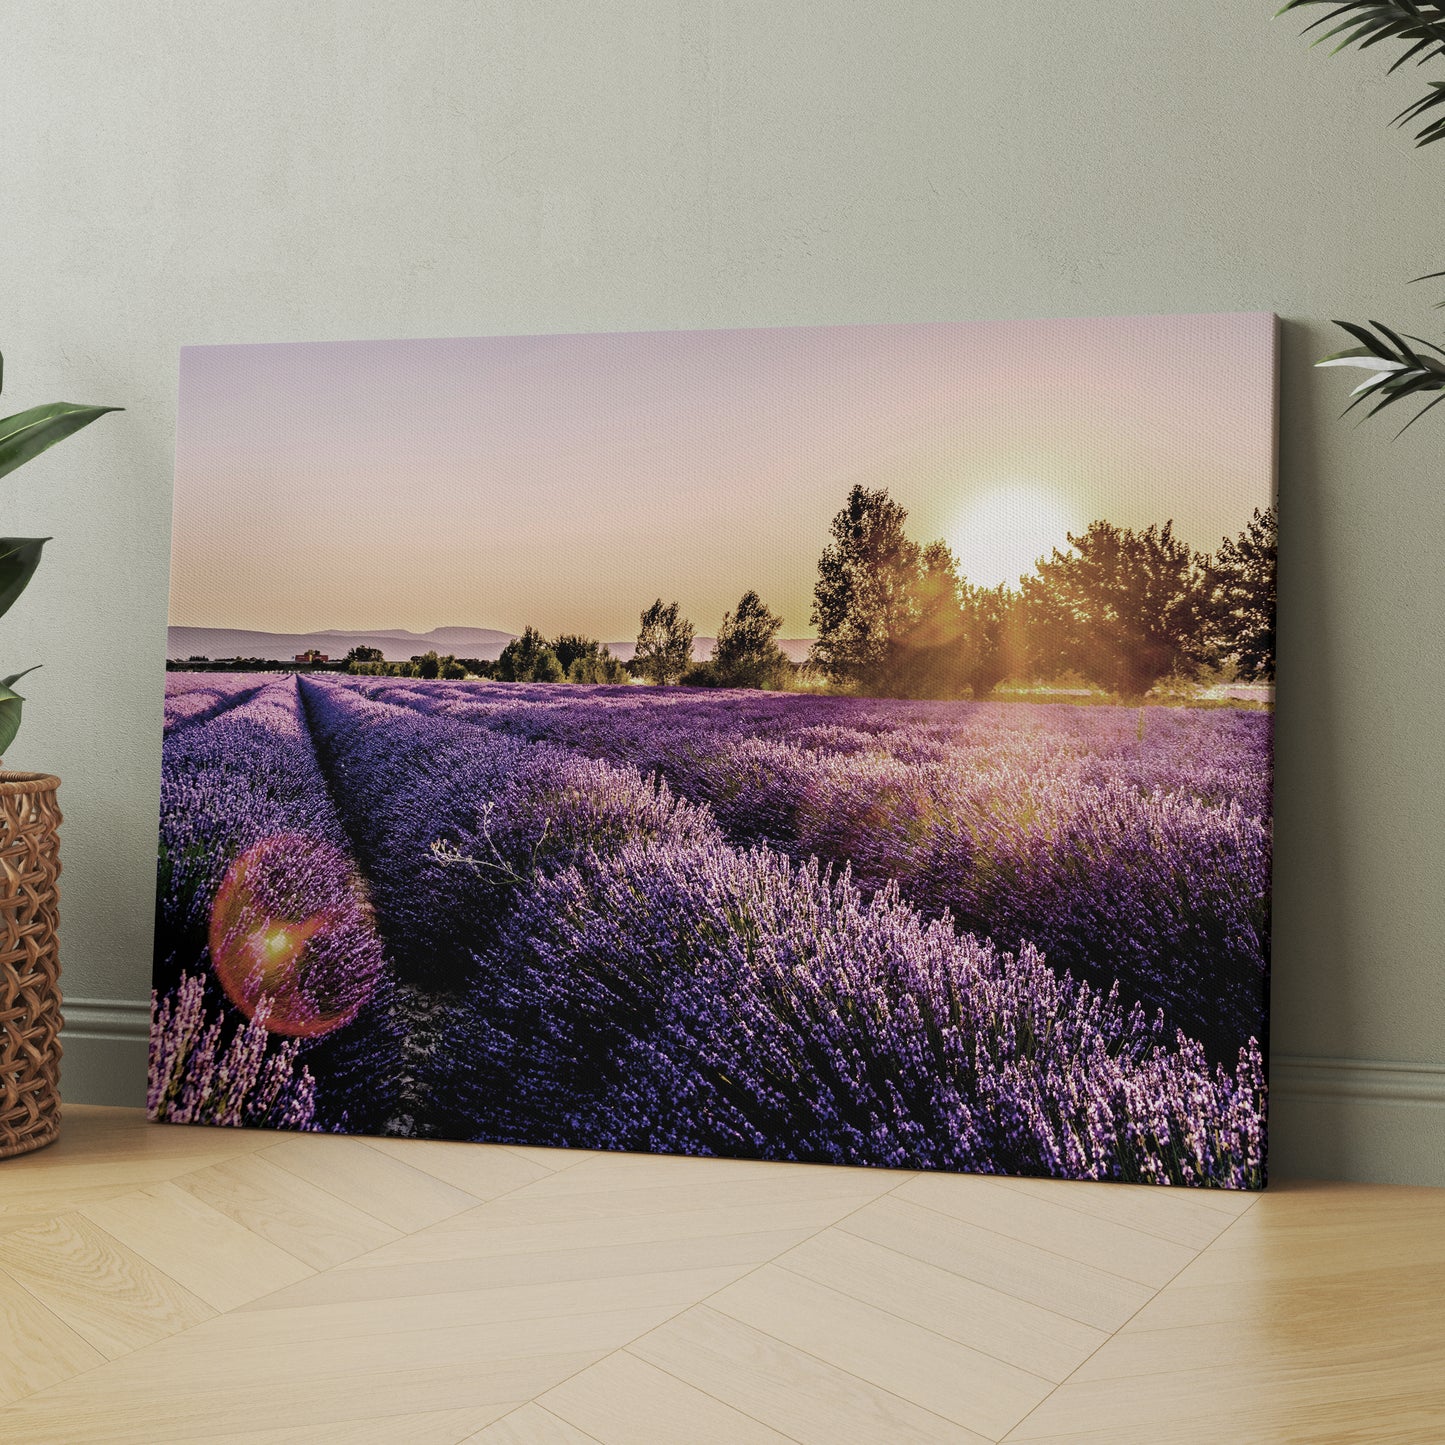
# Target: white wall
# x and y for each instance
(242, 170)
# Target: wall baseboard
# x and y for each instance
(105, 1048)
(1300, 1076)
(1370, 1120)
(1363, 1119)
(117, 1018)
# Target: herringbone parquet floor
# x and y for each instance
(172, 1284)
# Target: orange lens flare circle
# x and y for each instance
(292, 939)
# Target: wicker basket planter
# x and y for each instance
(29, 963)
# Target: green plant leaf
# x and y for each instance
(19, 557)
(1419, 24)
(1398, 370)
(1367, 22)
(10, 704)
(28, 433)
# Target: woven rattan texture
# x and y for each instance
(29, 963)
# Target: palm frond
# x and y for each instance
(1397, 370)
(1430, 276)
(1418, 24)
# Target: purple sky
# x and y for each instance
(566, 481)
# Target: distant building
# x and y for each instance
(312, 656)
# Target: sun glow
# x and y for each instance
(280, 941)
(1002, 531)
(290, 940)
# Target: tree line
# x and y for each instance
(528, 658)
(745, 654)
(1121, 608)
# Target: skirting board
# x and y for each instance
(104, 1047)
(1357, 1119)
(1329, 1118)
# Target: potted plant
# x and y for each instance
(29, 845)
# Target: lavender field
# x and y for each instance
(989, 936)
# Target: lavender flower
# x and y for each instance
(1003, 938)
(200, 1075)
(240, 781)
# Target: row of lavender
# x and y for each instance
(244, 806)
(587, 959)
(609, 969)
(1125, 846)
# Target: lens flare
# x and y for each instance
(292, 938)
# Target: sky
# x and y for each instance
(567, 481)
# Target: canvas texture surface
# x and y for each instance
(848, 745)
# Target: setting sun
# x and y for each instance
(1003, 530)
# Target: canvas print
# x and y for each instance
(839, 744)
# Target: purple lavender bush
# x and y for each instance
(207, 1069)
(700, 999)
(241, 782)
(995, 937)
(198, 697)
(453, 825)
(1124, 852)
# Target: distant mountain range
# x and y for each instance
(396, 644)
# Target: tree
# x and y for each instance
(528, 658)
(864, 602)
(602, 669)
(428, 664)
(1122, 608)
(664, 644)
(703, 674)
(1243, 574)
(364, 654)
(599, 667)
(934, 657)
(996, 625)
(747, 653)
(571, 647)
(585, 660)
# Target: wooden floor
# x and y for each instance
(161, 1283)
